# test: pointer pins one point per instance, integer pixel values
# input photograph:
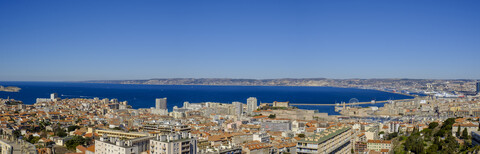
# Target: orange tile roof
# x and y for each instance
(91, 148)
(81, 148)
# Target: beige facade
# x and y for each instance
(173, 144)
(332, 140)
(120, 134)
(379, 145)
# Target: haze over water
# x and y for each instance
(143, 96)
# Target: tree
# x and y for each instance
(73, 127)
(432, 149)
(458, 132)
(17, 133)
(432, 125)
(414, 143)
(427, 134)
(29, 138)
(301, 135)
(61, 133)
(272, 116)
(392, 135)
(465, 134)
(450, 145)
(436, 140)
(74, 142)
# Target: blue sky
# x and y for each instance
(88, 40)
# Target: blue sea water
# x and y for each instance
(143, 96)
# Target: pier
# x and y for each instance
(347, 104)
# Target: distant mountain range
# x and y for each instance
(367, 83)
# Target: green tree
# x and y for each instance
(450, 145)
(74, 142)
(414, 143)
(73, 127)
(465, 134)
(392, 135)
(61, 133)
(436, 140)
(301, 135)
(272, 116)
(432, 125)
(432, 149)
(17, 133)
(427, 134)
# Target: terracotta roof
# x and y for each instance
(466, 125)
(362, 134)
(215, 138)
(81, 148)
(91, 148)
(256, 145)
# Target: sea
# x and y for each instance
(143, 96)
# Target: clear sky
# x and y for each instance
(72, 40)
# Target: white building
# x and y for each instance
(53, 96)
(115, 145)
(173, 144)
(238, 108)
(261, 137)
(251, 105)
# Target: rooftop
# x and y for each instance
(325, 135)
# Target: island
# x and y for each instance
(10, 89)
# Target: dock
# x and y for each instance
(348, 104)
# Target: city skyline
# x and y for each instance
(122, 40)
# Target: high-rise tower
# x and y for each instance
(161, 103)
(251, 105)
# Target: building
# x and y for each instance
(53, 96)
(379, 145)
(251, 105)
(256, 148)
(161, 103)
(238, 108)
(478, 88)
(276, 125)
(160, 107)
(166, 128)
(475, 138)
(225, 150)
(5, 148)
(332, 140)
(261, 137)
(469, 126)
(280, 104)
(173, 144)
(116, 145)
(360, 147)
(119, 134)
